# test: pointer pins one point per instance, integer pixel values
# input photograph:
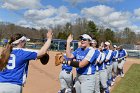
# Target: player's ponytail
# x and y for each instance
(5, 54)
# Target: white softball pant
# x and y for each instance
(97, 82)
(121, 64)
(10, 88)
(66, 79)
(103, 78)
(85, 83)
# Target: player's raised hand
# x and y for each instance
(70, 38)
(102, 44)
(49, 34)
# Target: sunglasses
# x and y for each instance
(84, 39)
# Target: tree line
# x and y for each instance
(80, 26)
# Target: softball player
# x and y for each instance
(108, 61)
(11, 78)
(102, 70)
(122, 54)
(115, 62)
(85, 59)
(97, 80)
(66, 76)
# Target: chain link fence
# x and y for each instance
(60, 45)
(132, 50)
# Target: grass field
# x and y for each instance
(131, 82)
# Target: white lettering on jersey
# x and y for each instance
(11, 63)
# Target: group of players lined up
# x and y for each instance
(90, 63)
(97, 66)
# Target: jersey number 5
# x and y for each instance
(11, 63)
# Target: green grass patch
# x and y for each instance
(131, 82)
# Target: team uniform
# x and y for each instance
(97, 78)
(85, 78)
(109, 56)
(102, 72)
(66, 77)
(121, 55)
(13, 77)
(115, 63)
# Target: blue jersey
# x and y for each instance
(108, 55)
(65, 66)
(88, 54)
(115, 56)
(101, 58)
(122, 53)
(17, 66)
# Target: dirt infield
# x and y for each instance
(45, 78)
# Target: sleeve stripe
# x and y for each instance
(90, 54)
(25, 49)
(109, 54)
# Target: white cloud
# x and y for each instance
(29, 24)
(97, 11)
(37, 14)
(118, 16)
(106, 1)
(101, 15)
(49, 16)
(108, 16)
(20, 4)
(137, 14)
(23, 23)
(135, 28)
(74, 2)
(117, 19)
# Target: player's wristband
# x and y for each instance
(74, 64)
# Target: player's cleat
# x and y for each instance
(122, 75)
(109, 88)
(112, 83)
(114, 79)
(68, 90)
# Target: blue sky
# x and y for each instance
(116, 14)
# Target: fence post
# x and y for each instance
(139, 54)
(58, 46)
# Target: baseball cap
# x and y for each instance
(107, 43)
(23, 38)
(93, 41)
(86, 36)
(114, 46)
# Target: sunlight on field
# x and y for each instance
(130, 83)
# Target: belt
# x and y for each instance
(108, 64)
(68, 72)
(97, 70)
